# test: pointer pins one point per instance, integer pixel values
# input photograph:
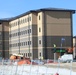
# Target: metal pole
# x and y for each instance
(38, 68)
(71, 68)
(30, 68)
(46, 68)
(54, 57)
(58, 65)
(16, 69)
(62, 39)
(54, 52)
(61, 49)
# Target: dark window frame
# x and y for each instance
(39, 17)
(39, 29)
(39, 41)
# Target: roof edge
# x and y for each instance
(39, 10)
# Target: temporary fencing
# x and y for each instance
(36, 67)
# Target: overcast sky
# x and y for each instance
(10, 8)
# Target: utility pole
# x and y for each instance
(54, 52)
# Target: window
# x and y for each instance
(30, 54)
(39, 41)
(16, 23)
(23, 32)
(19, 44)
(26, 54)
(26, 43)
(22, 43)
(30, 18)
(20, 33)
(39, 17)
(30, 42)
(40, 54)
(23, 20)
(26, 31)
(16, 34)
(39, 29)
(30, 30)
(16, 44)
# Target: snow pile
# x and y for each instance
(32, 70)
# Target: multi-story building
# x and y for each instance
(35, 33)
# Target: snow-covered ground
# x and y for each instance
(32, 70)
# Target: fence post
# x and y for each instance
(16, 69)
(38, 68)
(58, 65)
(22, 69)
(71, 68)
(46, 67)
(3, 66)
(30, 68)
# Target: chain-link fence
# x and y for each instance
(37, 67)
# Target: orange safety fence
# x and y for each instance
(24, 62)
(70, 50)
